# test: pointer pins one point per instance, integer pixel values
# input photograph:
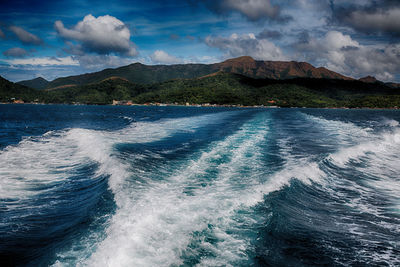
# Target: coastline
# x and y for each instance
(200, 106)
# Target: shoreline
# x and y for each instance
(201, 106)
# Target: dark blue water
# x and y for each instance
(178, 186)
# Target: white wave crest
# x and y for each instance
(154, 226)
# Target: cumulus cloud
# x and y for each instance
(44, 61)
(160, 56)
(26, 37)
(246, 45)
(253, 10)
(339, 52)
(102, 35)
(16, 52)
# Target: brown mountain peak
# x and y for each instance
(243, 59)
(368, 79)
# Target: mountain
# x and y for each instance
(220, 88)
(234, 89)
(371, 79)
(368, 79)
(37, 83)
(137, 73)
(10, 91)
(276, 69)
(104, 92)
(147, 74)
(393, 85)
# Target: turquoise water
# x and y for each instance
(177, 186)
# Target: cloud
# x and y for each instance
(369, 16)
(339, 52)
(16, 52)
(101, 61)
(253, 10)
(44, 61)
(246, 45)
(26, 37)
(267, 34)
(102, 35)
(380, 20)
(160, 56)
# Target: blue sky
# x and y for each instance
(60, 38)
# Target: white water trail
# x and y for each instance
(36, 163)
(153, 226)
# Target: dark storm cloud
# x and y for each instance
(25, 36)
(253, 10)
(374, 17)
(16, 52)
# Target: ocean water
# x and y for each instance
(185, 186)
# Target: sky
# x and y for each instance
(53, 39)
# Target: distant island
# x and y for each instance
(240, 81)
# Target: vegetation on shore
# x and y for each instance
(219, 88)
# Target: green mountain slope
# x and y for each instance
(10, 90)
(136, 73)
(228, 88)
(37, 83)
(220, 88)
(96, 93)
(234, 89)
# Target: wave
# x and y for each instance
(203, 213)
(203, 207)
(41, 175)
(159, 224)
(26, 168)
(364, 178)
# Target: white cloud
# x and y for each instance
(25, 37)
(335, 40)
(103, 35)
(339, 52)
(246, 45)
(160, 56)
(44, 61)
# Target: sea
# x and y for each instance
(191, 186)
